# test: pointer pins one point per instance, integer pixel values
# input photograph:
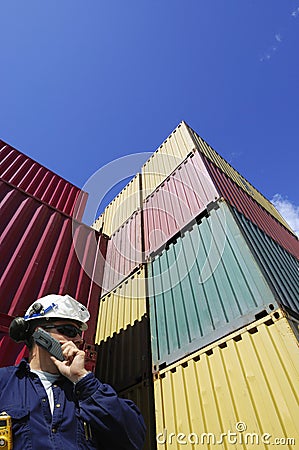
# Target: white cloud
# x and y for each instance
(295, 13)
(271, 51)
(288, 210)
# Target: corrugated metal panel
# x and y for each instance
(211, 154)
(4, 323)
(99, 223)
(166, 158)
(180, 198)
(122, 206)
(122, 306)
(10, 351)
(247, 383)
(124, 359)
(124, 253)
(280, 268)
(203, 286)
(45, 251)
(142, 395)
(30, 176)
(252, 210)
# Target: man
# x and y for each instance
(59, 404)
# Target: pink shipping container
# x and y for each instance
(44, 251)
(188, 191)
(180, 198)
(30, 176)
(252, 210)
(124, 252)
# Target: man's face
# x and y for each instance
(64, 331)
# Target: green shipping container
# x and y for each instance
(203, 286)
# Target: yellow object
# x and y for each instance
(5, 431)
(166, 159)
(240, 392)
(122, 306)
(98, 224)
(121, 208)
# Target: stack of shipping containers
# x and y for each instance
(223, 304)
(122, 337)
(191, 276)
(44, 247)
(221, 296)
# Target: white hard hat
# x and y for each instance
(54, 306)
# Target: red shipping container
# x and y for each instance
(45, 251)
(252, 210)
(30, 176)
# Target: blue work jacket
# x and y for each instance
(87, 415)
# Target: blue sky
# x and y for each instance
(84, 83)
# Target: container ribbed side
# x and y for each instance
(124, 359)
(220, 162)
(245, 204)
(166, 158)
(122, 307)
(241, 392)
(45, 251)
(121, 208)
(35, 179)
(181, 197)
(206, 284)
(142, 395)
(124, 253)
(279, 267)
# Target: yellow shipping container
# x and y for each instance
(121, 208)
(241, 392)
(98, 224)
(166, 159)
(122, 306)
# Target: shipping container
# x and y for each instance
(123, 306)
(225, 167)
(124, 359)
(35, 179)
(166, 158)
(121, 208)
(251, 209)
(280, 268)
(98, 224)
(45, 251)
(4, 323)
(241, 392)
(204, 285)
(180, 198)
(124, 252)
(142, 395)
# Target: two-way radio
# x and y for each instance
(46, 341)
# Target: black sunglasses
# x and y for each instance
(67, 330)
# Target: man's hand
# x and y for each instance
(73, 367)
